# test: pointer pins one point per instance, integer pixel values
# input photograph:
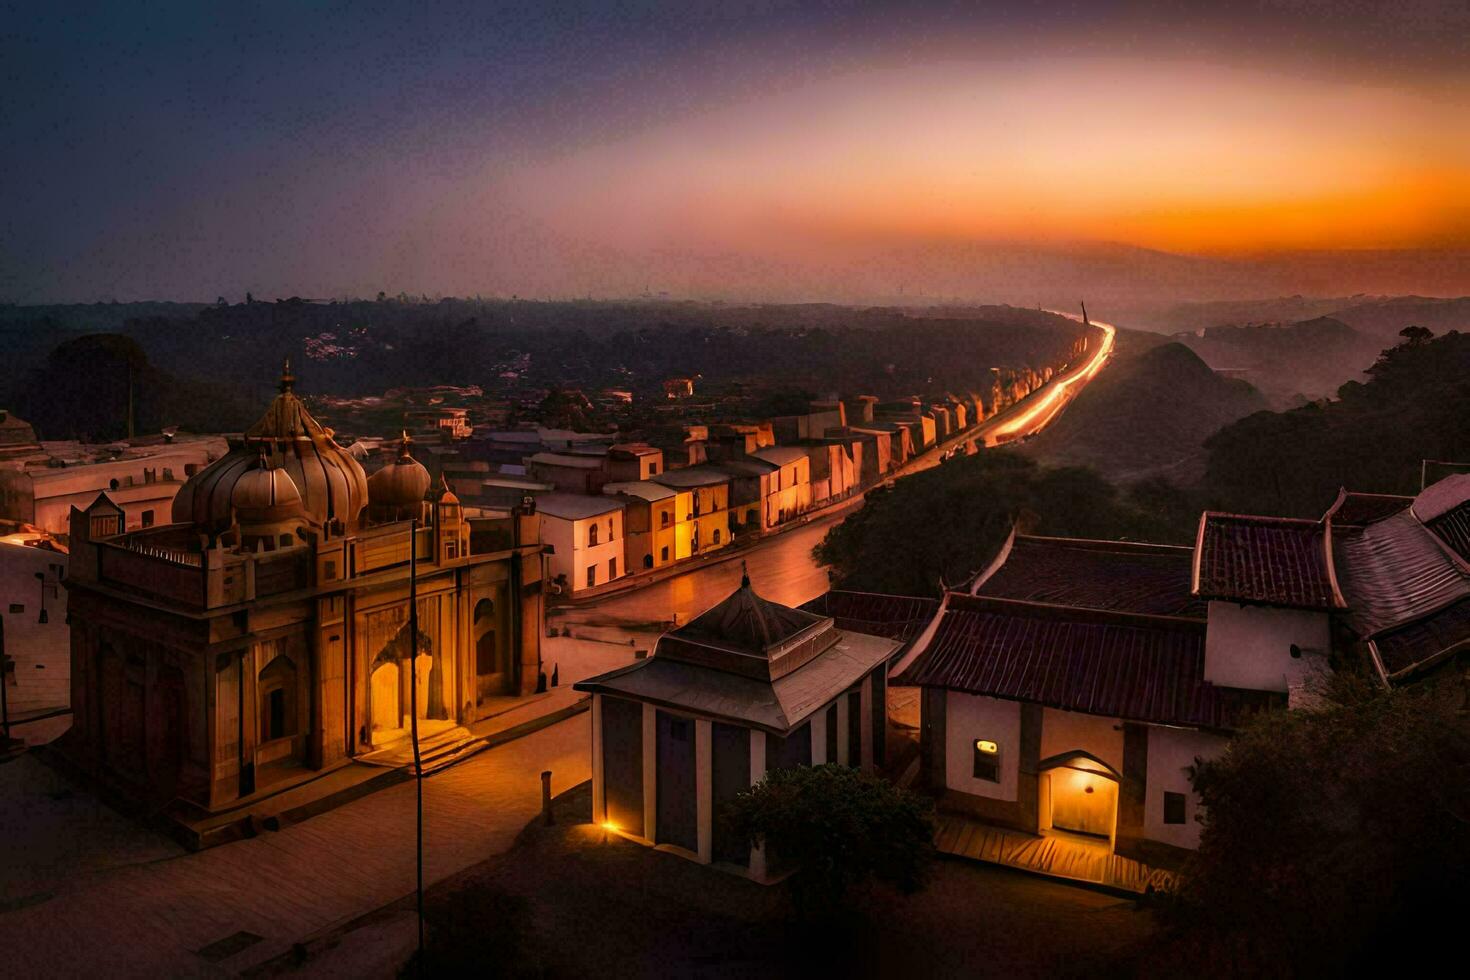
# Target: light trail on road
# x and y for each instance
(1037, 416)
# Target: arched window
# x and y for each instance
(276, 690)
(591, 535)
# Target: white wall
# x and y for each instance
(573, 554)
(1069, 731)
(1170, 752)
(42, 651)
(968, 717)
(1250, 646)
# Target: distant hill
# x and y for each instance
(1288, 362)
(1385, 317)
(1373, 438)
(1148, 413)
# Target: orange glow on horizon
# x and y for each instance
(1176, 156)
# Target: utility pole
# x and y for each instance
(4, 695)
(413, 723)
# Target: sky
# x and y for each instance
(738, 150)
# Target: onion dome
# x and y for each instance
(402, 483)
(265, 495)
(330, 483)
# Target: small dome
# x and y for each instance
(402, 483)
(265, 494)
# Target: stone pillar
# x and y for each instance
(704, 786)
(757, 773)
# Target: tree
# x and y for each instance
(1414, 336)
(840, 827)
(1334, 840)
(937, 528)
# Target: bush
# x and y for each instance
(1334, 839)
(839, 827)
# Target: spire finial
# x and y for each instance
(404, 442)
(744, 575)
(288, 380)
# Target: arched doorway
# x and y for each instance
(385, 710)
(493, 674)
(1079, 795)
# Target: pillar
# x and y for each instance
(757, 773)
(599, 791)
(866, 702)
(704, 788)
(650, 772)
(817, 725)
(842, 732)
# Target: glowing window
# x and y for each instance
(987, 760)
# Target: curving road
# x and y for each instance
(782, 566)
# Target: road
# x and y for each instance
(782, 567)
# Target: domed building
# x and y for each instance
(331, 483)
(262, 636)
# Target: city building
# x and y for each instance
(585, 534)
(710, 513)
(140, 477)
(261, 637)
(630, 461)
(17, 437)
(746, 687)
(33, 630)
(789, 489)
(569, 472)
(658, 523)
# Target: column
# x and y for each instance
(599, 791)
(704, 787)
(817, 725)
(757, 773)
(866, 702)
(650, 773)
(842, 722)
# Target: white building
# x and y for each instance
(35, 633)
(586, 534)
(746, 687)
(141, 479)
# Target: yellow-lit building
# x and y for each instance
(262, 636)
(658, 522)
(709, 512)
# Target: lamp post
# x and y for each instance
(413, 723)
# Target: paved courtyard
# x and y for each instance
(145, 907)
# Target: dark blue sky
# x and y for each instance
(183, 150)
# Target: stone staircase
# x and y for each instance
(441, 744)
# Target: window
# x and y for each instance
(591, 535)
(591, 576)
(653, 469)
(329, 571)
(717, 536)
(1173, 808)
(665, 518)
(147, 518)
(987, 760)
(610, 534)
(612, 568)
(16, 608)
(276, 719)
(664, 553)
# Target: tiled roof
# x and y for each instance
(1137, 668)
(1274, 561)
(898, 617)
(1356, 509)
(1426, 641)
(1141, 578)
